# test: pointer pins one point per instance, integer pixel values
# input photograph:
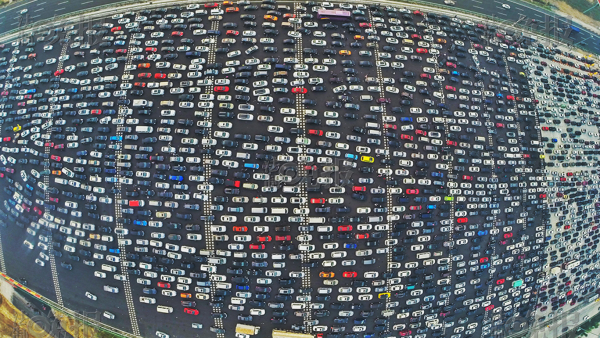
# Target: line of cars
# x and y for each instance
(433, 190)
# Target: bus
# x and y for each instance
(334, 15)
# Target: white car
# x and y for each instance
(91, 295)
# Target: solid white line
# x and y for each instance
(41, 9)
(87, 2)
(41, 3)
(36, 16)
(478, 7)
(64, 2)
(59, 9)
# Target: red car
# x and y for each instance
(59, 72)
(160, 76)
(406, 137)
(477, 46)
(422, 50)
(489, 307)
(419, 13)
(232, 33)
(415, 207)
(121, 51)
(499, 125)
(257, 246)
(425, 76)
(450, 88)
(37, 210)
(390, 126)
(344, 227)
(150, 50)
(49, 144)
(349, 274)
(542, 195)
(508, 235)
(416, 37)
(450, 64)
(114, 29)
(412, 191)
(10, 170)
(240, 229)
(357, 188)
(510, 97)
(54, 199)
(56, 158)
(317, 200)
(164, 285)
(361, 236)
(7, 139)
(283, 238)
(405, 333)
(213, 5)
(451, 143)
(221, 89)
(421, 132)
(364, 25)
(500, 281)
(315, 132)
(96, 111)
(144, 75)
(483, 260)
(176, 33)
(191, 311)
(299, 90)
(59, 146)
(462, 220)
(264, 238)
(467, 178)
(309, 167)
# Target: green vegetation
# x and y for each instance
(105, 334)
(584, 5)
(589, 326)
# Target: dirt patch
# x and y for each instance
(13, 323)
(575, 8)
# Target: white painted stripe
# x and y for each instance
(59, 9)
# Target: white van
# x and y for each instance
(144, 129)
(164, 309)
(318, 220)
(279, 211)
(109, 268)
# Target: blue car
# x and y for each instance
(431, 207)
(116, 250)
(242, 287)
(437, 174)
(554, 140)
(116, 138)
(499, 96)
(351, 156)
(350, 245)
(406, 119)
(141, 223)
(484, 266)
(176, 178)
(251, 165)
(119, 43)
(482, 233)
(31, 91)
(454, 72)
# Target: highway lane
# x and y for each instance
(518, 12)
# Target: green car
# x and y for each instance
(449, 198)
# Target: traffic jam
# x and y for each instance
(326, 168)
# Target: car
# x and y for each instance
(349, 274)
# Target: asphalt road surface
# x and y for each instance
(510, 201)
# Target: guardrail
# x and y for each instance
(85, 320)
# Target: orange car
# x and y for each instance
(227, 3)
(186, 295)
(270, 18)
(56, 172)
(359, 37)
(324, 274)
(345, 52)
(143, 65)
(289, 15)
(232, 9)
(240, 229)
(441, 40)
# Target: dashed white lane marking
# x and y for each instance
(2, 263)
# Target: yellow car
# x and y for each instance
(345, 52)
(94, 236)
(17, 128)
(324, 274)
(367, 159)
(384, 295)
(270, 18)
